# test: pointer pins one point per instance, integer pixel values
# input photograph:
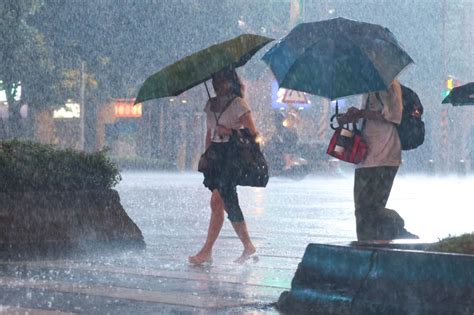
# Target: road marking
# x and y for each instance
(12, 310)
(160, 297)
(255, 280)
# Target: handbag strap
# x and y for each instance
(377, 95)
(365, 108)
(223, 110)
(227, 105)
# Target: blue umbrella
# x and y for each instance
(461, 95)
(337, 58)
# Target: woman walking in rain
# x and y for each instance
(225, 112)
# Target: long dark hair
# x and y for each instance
(229, 74)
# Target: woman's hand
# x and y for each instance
(352, 115)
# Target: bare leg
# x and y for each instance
(249, 249)
(287, 159)
(215, 226)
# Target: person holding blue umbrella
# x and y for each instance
(341, 57)
(374, 175)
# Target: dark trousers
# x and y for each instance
(372, 188)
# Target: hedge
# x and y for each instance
(31, 166)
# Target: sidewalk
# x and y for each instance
(165, 285)
(172, 210)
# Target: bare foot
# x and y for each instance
(200, 258)
(246, 254)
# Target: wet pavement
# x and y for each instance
(172, 210)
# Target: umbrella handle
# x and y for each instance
(354, 125)
(335, 116)
(332, 119)
(207, 90)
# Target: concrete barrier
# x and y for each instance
(44, 221)
(344, 279)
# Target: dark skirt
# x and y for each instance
(222, 170)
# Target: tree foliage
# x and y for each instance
(24, 56)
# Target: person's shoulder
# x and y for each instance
(395, 82)
(395, 86)
(240, 101)
(240, 106)
(210, 101)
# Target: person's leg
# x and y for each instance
(363, 203)
(215, 226)
(249, 249)
(231, 204)
(391, 224)
(385, 179)
(372, 188)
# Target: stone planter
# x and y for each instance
(73, 219)
(368, 279)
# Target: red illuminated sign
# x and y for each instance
(124, 108)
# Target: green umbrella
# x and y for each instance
(200, 66)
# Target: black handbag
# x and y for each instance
(206, 159)
(251, 168)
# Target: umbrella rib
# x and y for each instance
(393, 45)
(305, 50)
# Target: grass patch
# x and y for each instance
(463, 244)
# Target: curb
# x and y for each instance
(344, 279)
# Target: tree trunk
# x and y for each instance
(13, 129)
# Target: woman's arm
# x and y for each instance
(247, 121)
(208, 138)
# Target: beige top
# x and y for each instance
(383, 142)
(230, 118)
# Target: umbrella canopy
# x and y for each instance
(200, 66)
(461, 95)
(337, 58)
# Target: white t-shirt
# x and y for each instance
(230, 118)
(383, 142)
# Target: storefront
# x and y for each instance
(120, 126)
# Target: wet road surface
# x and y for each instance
(172, 210)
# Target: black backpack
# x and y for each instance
(411, 129)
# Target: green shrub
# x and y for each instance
(31, 166)
(463, 244)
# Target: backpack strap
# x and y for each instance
(381, 102)
(365, 108)
(377, 95)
